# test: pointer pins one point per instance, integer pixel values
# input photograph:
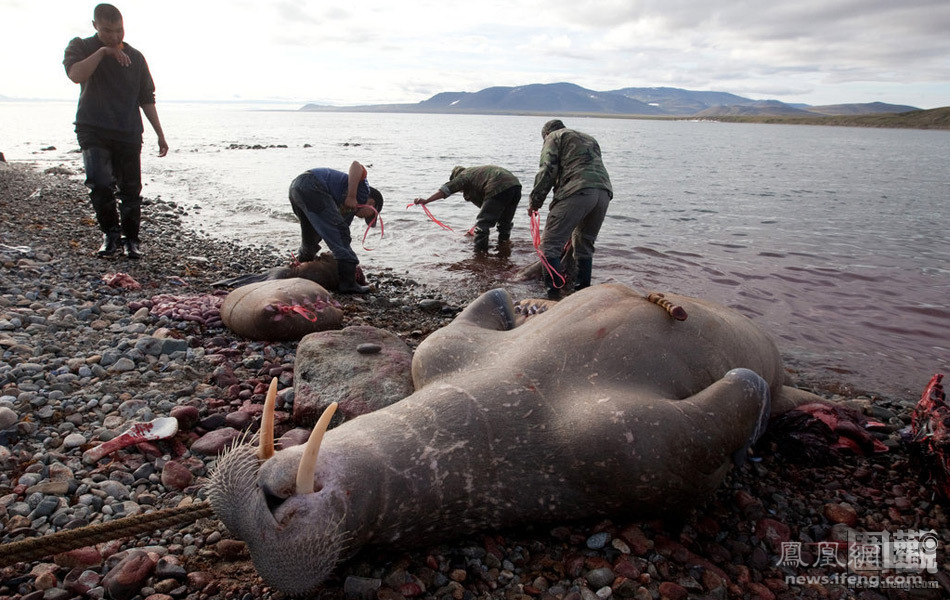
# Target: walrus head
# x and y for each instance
(601, 404)
(259, 514)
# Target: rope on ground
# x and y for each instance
(64, 541)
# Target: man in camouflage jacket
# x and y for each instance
(572, 165)
(492, 189)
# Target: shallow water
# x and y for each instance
(835, 239)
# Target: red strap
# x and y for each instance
(430, 215)
(304, 312)
(382, 228)
(536, 238)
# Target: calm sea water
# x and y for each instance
(834, 239)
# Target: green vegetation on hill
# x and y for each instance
(935, 118)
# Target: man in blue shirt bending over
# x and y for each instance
(325, 201)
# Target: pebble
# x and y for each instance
(8, 418)
(598, 540)
(215, 442)
(176, 476)
(126, 578)
(73, 440)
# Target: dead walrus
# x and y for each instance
(280, 310)
(322, 270)
(601, 405)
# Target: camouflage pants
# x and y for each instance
(577, 218)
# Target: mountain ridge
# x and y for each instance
(569, 98)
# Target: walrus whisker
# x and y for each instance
(266, 449)
(308, 462)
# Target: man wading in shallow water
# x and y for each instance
(115, 82)
(492, 189)
(571, 164)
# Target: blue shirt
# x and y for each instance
(338, 183)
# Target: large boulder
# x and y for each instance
(361, 368)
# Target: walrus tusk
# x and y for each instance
(677, 312)
(308, 462)
(266, 449)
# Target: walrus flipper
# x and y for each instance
(492, 310)
(241, 280)
(740, 399)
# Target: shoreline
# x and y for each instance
(72, 374)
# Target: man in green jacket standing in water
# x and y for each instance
(495, 190)
(572, 165)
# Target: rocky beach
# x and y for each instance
(90, 346)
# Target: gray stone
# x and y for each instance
(115, 489)
(8, 418)
(330, 368)
(74, 440)
(124, 365)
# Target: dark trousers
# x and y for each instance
(499, 209)
(114, 170)
(320, 218)
(577, 218)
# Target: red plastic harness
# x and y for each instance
(382, 229)
(536, 239)
(431, 216)
(296, 309)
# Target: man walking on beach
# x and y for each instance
(496, 191)
(571, 164)
(115, 83)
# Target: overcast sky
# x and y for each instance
(382, 51)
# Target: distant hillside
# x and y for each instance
(935, 118)
(861, 109)
(560, 98)
(680, 102)
(765, 107)
(540, 98)
(656, 102)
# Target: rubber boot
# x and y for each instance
(348, 285)
(504, 233)
(554, 293)
(110, 244)
(131, 214)
(131, 249)
(584, 268)
(481, 240)
(103, 202)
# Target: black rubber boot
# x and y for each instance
(103, 202)
(131, 249)
(348, 285)
(481, 240)
(584, 268)
(131, 213)
(554, 293)
(110, 244)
